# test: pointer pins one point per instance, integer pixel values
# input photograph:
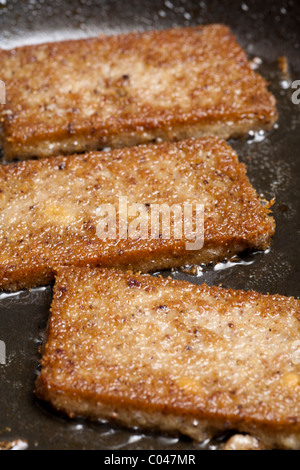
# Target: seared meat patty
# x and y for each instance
(49, 210)
(169, 355)
(75, 96)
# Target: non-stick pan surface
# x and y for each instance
(267, 30)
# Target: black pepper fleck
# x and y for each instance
(133, 283)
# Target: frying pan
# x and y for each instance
(267, 30)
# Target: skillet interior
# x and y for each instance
(266, 30)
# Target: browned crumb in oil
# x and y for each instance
(283, 66)
(189, 270)
(17, 444)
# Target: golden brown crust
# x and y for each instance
(153, 352)
(129, 89)
(48, 208)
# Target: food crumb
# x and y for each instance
(283, 66)
(242, 442)
(17, 444)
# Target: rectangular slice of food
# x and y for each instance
(49, 210)
(162, 354)
(81, 95)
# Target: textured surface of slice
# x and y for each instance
(162, 354)
(49, 218)
(82, 95)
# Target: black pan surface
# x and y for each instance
(267, 30)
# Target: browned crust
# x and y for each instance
(48, 209)
(157, 353)
(129, 89)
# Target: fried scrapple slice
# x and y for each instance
(169, 355)
(124, 90)
(49, 218)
